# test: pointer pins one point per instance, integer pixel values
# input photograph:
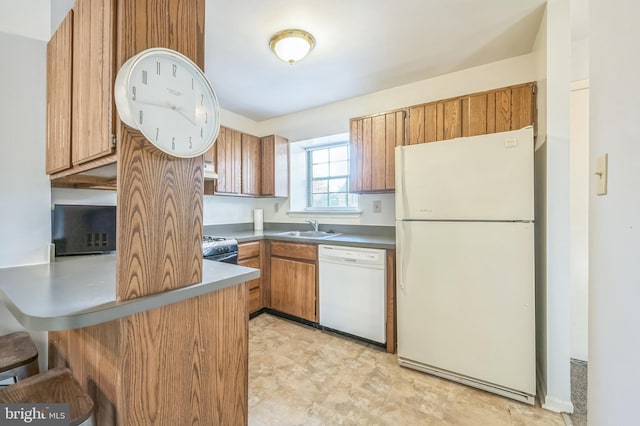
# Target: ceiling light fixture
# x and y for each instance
(291, 45)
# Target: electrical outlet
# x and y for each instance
(276, 207)
(377, 206)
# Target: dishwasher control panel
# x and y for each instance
(351, 254)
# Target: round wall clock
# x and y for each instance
(165, 96)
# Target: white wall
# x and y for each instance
(579, 205)
(558, 386)
(25, 218)
(27, 18)
(334, 118)
(614, 222)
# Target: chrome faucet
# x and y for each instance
(313, 223)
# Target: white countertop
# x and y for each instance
(79, 291)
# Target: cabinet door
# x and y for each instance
(395, 136)
(474, 115)
(250, 166)
(228, 158)
(522, 106)
(355, 152)
(275, 166)
(293, 288)
(59, 66)
(93, 77)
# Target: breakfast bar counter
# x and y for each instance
(80, 291)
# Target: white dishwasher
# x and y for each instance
(353, 291)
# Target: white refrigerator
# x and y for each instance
(465, 261)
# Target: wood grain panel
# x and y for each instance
(439, 121)
(199, 377)
(222, 161)
(431, 129)
(355, 152)
(393, 121)
(251, 161)
(417, 127)
(275, 166)
(236, 161)
(255, 300)
(159, 218)
(293, 288)
(93, 75)
(452, 121)
(522, 106)
(175, 24)
(391, 302)
(247, 250)
(491, 112)
(294, 250)
(503, 110)
(477, 115)
(253, 262)
(378, 153)
(367, 152)
(59, 82)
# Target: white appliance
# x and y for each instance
(465, 261)
(352, 291)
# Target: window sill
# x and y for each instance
(324, 212)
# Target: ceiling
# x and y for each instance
(362, 46)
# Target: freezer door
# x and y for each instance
(488, 177)
(466, 299)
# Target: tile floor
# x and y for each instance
(302, 376)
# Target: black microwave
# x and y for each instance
(82, 229)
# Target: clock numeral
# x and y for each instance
(157, 133)
(201, 132)
(201, 99)
(158, 67)
(175, 69)
(190, 143)
(140, 116)
(192, 84)
(133, 91)
(206, 117)
(173, 143)
(144, 76)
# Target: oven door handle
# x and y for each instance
(223, 257)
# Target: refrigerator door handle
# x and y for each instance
(400, 184)
(400, 247)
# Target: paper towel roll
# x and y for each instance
(258, 219)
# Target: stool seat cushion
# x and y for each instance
(55, 386)
(16, 349)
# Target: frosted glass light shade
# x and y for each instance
(292, 45)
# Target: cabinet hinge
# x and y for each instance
(113, 141)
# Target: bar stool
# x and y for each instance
(18, 356)
(55, 386)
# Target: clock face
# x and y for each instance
(170, 101)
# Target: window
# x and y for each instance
(328, 177)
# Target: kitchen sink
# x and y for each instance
(320, 235)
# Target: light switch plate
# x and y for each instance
(377, 206)
(601, 174)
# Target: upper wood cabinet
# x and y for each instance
(59, 68)
(275, 166)
(373, 140)
(251, 164)
(498, 110)
(92, 130)
(228, 151)
(248, 165)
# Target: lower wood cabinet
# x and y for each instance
(293, 280)
(250, 255)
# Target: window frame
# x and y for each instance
(351, 199)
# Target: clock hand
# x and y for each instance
(182, 113)
(176, 108)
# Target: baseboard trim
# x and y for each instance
(557, 405)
